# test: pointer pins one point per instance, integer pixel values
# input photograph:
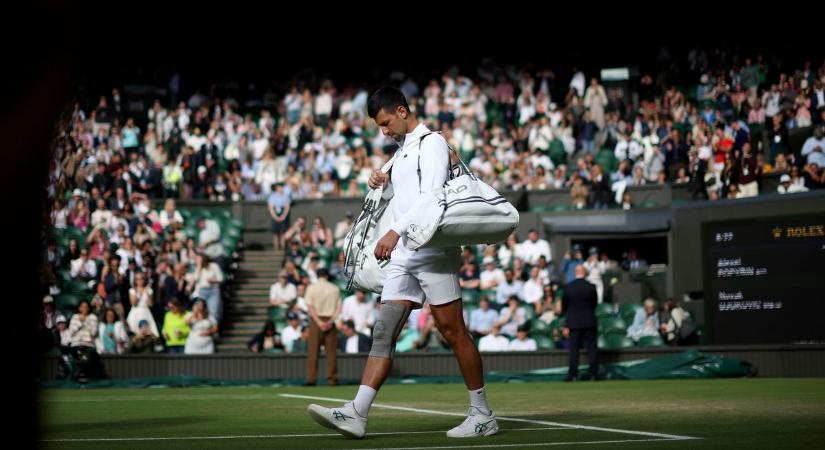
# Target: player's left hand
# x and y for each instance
(385, 245)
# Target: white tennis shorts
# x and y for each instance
(435, 281)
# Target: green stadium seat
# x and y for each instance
(469, 296)
(77, 287)
(223, 214)
(612, 325)
(649, 204)
(561, 207)
(614, 341)
(651, 341)
(605, 310)
(556, 152)
(529, 311)
(544, 342)
(539, 209)
(276, 313)
(67, 302)
(627, 311)
(490, 293)
(539, 327)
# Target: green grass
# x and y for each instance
(729, 413)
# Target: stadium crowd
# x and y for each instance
(518, 128)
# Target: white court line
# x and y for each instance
(533, 444)
(510, 419)
(264, 436)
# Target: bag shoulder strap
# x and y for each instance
(450, 166)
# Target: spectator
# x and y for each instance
(282, 293)
(468, 278)
(785, 186)
(506, 253)
(494, 342)
(578, 303)
(83, 268)
(266, 341)
(83, 328)
(533, 248)
(141, 298)
(342, 228)
(579, 193)
(595, 100)
(207, 281)
(145, 340)
(570, 262)
(533, 290)
(209, 240)
(595, 269)
(633, 262)
(62, 331)
(645, 322)
(170, 217)
(512, 317)
(292, 333)
(482, 319)
(175, 329)
(677, 325)
(111, 335)
(358, 309)
(747, 173)
(352, 341)
(491, 277)
(321, 234)
(522, 343)
(510, 287)
(202, 329)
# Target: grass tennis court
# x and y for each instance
(720, 413)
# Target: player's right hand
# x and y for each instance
(378, 178)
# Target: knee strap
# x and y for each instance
(391, 319)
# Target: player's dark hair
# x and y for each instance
(388, 98)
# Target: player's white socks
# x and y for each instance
(363, 400)
(478, 399)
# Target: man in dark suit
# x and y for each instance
(352, 341)
(579, 304)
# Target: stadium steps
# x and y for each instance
(247, 307)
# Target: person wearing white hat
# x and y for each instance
(49, 314)
(491, 276)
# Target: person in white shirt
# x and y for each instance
(533, 248)
(282, 292)
(292, 332)
(341, 229)
(491, 276)
(170, 216)
(522, 343)
(595, 269)
(534, 289)
(209, 238)
(628, 148)
(493, 342)
(420, 165)
(83, 268)
(359, 310)
(786, 187)
(102, 215)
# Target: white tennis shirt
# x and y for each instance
(408, 184)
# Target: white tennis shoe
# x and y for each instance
(344, 420)
(476, 424)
